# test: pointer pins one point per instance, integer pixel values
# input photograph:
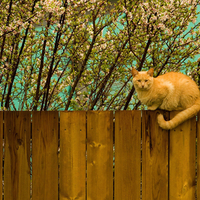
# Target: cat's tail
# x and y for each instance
(180, 117)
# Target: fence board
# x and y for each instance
(154, 158)
(182, 160)
(1, 151)
(99, 155)
(73, 155)
(17, 155)
(127, 155)
(45, 155)
(198, 157)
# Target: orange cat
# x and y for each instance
(171, 91)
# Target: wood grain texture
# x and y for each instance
(73, 155)
(182, 160)
(1, 151)
(17, 155)
(127, 155)
(154, 158)
(99, 155)
(45, 155)
(198, 157)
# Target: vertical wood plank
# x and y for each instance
(127, 155)
(45, 155)
(1, 151)
(17, 155)
(154, 158)
(182, 160)
(73, 155)
(198, 157)
(99, 155)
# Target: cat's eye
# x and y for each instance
(146, 80)
(139, 80)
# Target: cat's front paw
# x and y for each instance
(153, 107)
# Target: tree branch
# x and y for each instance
(41, 65)
(17, 63)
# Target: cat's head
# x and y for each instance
(142, 80)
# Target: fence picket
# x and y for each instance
(127, 155)
(1, 151)
(17, 155)
(99, 155)
(73, 155)
(198, 157)
(182, 160)
(45, 155)
(154, 158)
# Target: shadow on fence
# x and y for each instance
(97, 156)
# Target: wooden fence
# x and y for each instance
(97, 156)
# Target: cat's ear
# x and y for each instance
(134, 72)
(150, 72)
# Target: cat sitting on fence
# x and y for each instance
(171, 91)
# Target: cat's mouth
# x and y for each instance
(143, 88)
